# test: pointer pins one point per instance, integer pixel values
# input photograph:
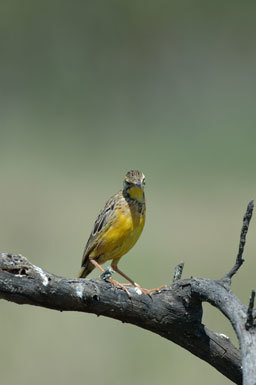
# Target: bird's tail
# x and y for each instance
(85, 270)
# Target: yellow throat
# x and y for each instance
(136, 193)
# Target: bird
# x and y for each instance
(117, 229)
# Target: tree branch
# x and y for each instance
(239, 258)
(250, 321)
(174, 313)
(178, 272)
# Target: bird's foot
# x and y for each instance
(139, 290)
(148, 291)
(118, 284)
(158, 289)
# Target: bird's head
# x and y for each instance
(134, 184)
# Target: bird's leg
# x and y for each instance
(93, 262)
(113, 281)
(108, 272)
(115, 268)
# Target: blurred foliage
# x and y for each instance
(88, 91)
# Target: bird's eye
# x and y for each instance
(128, 184)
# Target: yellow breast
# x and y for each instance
(122, 234)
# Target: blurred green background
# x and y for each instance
(89, 90)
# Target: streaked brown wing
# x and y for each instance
(102, 222)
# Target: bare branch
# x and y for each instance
(178, 272)
(174, 313)
(249, 322)
(245, 227)
(222, 298)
